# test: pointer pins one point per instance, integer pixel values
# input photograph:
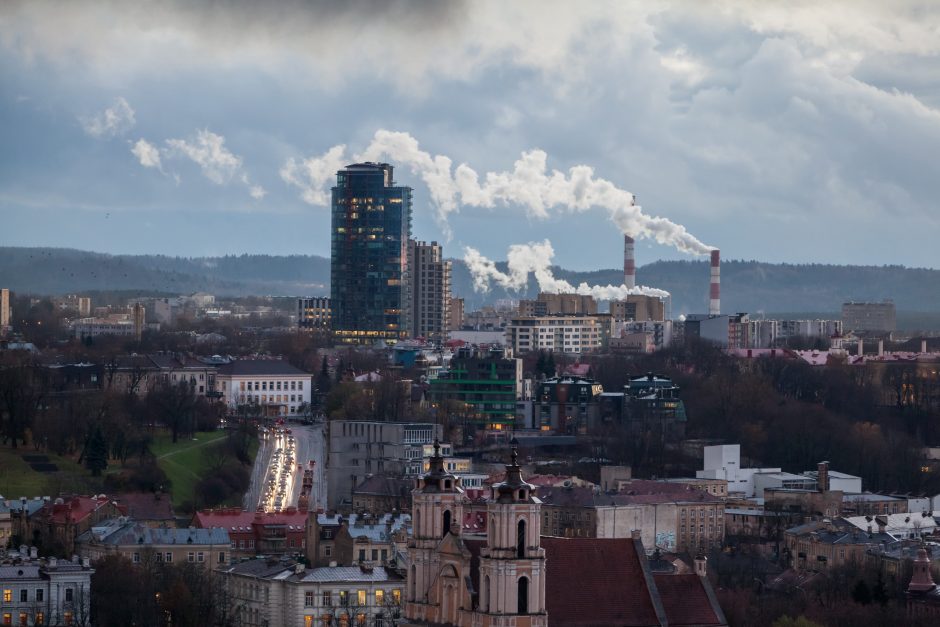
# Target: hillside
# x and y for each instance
(750, 286)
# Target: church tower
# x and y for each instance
(512, 565)
(436, 590)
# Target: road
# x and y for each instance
(308, 445)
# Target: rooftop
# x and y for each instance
(260, 367)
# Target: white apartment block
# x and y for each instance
(277, 387)
(264, 593)
(571, 334)
(429, 291)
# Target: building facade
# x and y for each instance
(369, 275)
(429, 291)
(358, 449)
(551, 304)
(869, 317)
(46, 591)
(139, 543)
(482, 385)
(269, 387)
(313, 312)
(570, 334)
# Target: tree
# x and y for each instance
(96, 452)
(173, 404)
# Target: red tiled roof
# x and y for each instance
(582, 570)
(229, 518)
(77, 508)
(685, 600)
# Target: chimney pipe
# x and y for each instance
(629, 262)
(822, 476)
(861, 347)
(923, 346)
(881, 348)
(714, 302)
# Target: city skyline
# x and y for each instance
(798, 136)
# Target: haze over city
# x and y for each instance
(802, 134)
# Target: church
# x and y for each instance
(513, 576)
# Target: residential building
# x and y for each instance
(47, 591)
(639, 308)
(823, 544)
(455, 322)
(481, 385)
(5, 310)
(272, 386)
(288, 593)
(383, 493)
(868, 504)
(369, 274)
(547, 304)
(147, 508)
(560, 333)
(569, 405)
(313, 312)
(808, 328)
(257, 533)
(429, 275)
(140, 543)
(358, 449)
(59, 523)
(873, 318)
(6, 526)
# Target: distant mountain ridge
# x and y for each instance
(747, 286)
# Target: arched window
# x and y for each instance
(520, 539)
(487, 599)
(413, 584)
(446, 529)
(523, 594)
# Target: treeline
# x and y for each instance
(872, 421)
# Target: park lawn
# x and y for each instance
(18, 479)
(183, 462)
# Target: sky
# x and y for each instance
(783, 132)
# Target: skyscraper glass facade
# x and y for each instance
(371, 224)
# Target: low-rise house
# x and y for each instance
(827, 543)
(258, 533)
(46, 591)
(274, 386)
(869, 504)
(269, 592)
(141, 544)
(56, 524)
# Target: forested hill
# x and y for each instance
(749, 286)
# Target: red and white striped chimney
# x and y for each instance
(629, 262)
(714, 296)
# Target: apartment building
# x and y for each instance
(140, 543)
(429, 291)
(358, 449)
(46, 591)
(570, 334)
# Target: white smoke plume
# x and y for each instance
(536, 258)
(530, 184)
(113, 121)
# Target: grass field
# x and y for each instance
(183, 462)
(18, 479)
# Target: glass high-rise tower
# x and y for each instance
(371, 225)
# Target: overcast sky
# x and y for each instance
(801, 133)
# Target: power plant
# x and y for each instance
(714, 300)
(629, 262)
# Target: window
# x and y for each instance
(23, 618)
(375, 555)
(396, 596)
(169, 557)
(379, 597)
(68, 617)
(137, 558)
(361, 597)
(300, 385)
(39, 594)
(7, 595)
(69, 594)
(40, 619)
(308, 598)
(24, 596)
(362, 555)
(221, 557)
(343, 596)
(7, 618)
(308, 620)
(191, 557)
(327, 600)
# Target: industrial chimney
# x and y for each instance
(714, 303)
(629, 263)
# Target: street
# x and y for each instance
(308, 444)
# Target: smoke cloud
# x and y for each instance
(529, 184)
(113, 121)
(536, 258)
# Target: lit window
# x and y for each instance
(7, 596)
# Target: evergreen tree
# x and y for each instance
(323, 380)
(96, 456)
(340, 367)
(550, 368)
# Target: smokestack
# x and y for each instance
(881, 348)
(822, 476)
(714, 302)
(923, 346)
(861, 347)
(629, 263)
